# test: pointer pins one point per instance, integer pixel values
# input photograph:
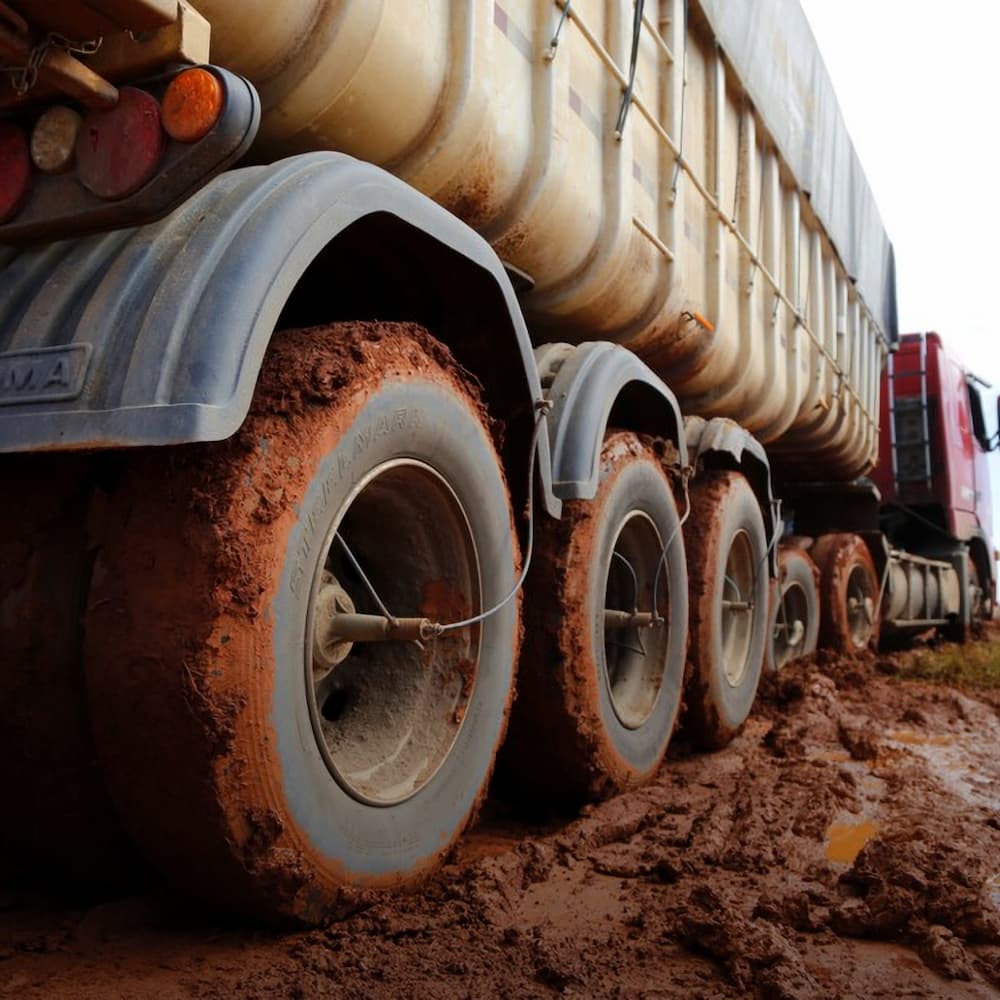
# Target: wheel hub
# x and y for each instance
(635, 641)
(328, 648)
(790, 628)
(860, 607)
(737, 608)
(388, 695)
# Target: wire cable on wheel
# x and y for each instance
(433, 629)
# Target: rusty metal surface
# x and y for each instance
(701, 254)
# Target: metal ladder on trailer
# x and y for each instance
(909, 427)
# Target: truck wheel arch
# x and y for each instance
(167, 324)
(720, 443)
(592, 387)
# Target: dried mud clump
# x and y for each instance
(716, 880)
(912, 881)
(755, 955)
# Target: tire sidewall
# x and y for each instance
(732, 703)
(369, 844)
(795, 568)
(859, 559)
(638, 486)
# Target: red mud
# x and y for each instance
(558, 747)
(713, 881)
(835, 556)
(711, 497)
(200, 786)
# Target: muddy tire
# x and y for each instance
(794, 628)
(980, 609)
(256, 761)
(729, 606)
(57, 812)
(980, 601)
(849, 586)
(596, 703)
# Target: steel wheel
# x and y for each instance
(849, 588)
(729, 613)
(601, 676)
(386, 715)
(736, 608)
(861, 606)
(795, 614)
(634, 655)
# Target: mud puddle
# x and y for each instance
(845, 840)
(960, 761)
(845, 845)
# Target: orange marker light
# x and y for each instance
(192, 105)
(704, 323)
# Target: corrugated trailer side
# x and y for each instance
(654, 169)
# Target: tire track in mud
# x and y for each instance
(730, 875)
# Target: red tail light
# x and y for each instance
(15, 169)
(67, 174)
(117, 151)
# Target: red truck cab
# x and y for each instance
(932, 471)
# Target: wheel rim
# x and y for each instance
(385, 715)
(790, 629)
(635, 659)
(737, 609)
(860, 606)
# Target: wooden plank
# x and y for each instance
(81, 20)
(137, 15)
(73, 78)
(122, 57)
(61, 71)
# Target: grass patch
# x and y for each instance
(973, 665)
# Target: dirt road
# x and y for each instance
(846, 844)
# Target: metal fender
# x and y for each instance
(723, 443)
(155, 335)
(588, 383)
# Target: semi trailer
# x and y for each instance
(373, 374)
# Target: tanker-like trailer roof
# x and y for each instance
(773, 51)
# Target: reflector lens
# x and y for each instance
(192, 105)
(118, 151)
(53, 140)
(15, 169)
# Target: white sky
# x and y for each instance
(919, 86)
